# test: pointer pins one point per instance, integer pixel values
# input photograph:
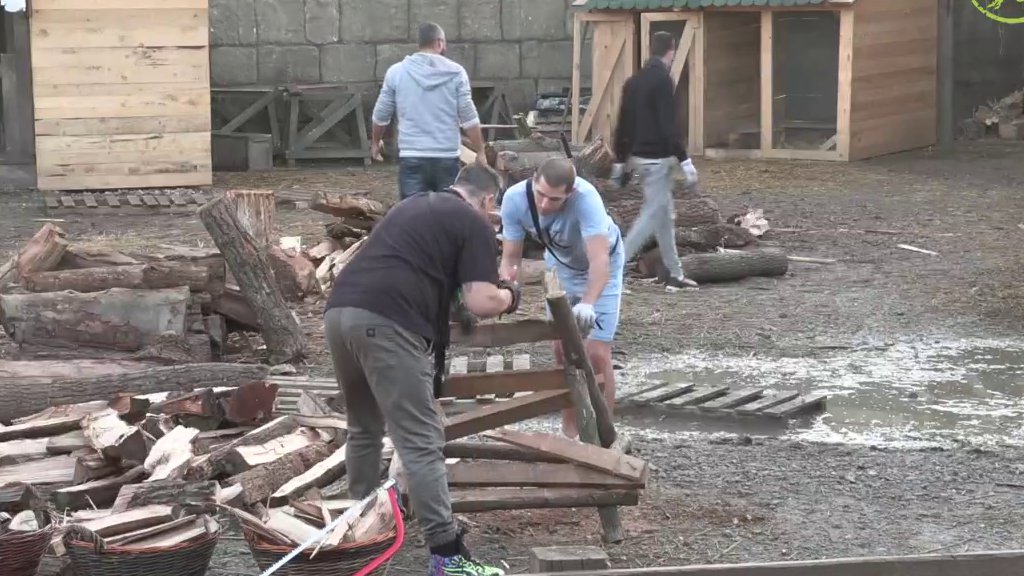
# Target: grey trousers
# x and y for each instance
(386, 374)
(657, 216)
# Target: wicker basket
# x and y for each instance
(342, 560)
(20, 552)
(188, 559)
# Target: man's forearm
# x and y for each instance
(378, 133)
(597, 279)
(476, 136)
(511, 258)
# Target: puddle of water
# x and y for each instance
(925, 393)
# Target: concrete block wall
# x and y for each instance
(526, 43)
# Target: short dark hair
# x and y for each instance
(662, 43)
(478, 180)
(430, 32)
(558, 173)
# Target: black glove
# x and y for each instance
(517, 294)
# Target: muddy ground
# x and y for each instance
(734, 499)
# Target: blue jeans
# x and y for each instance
(420, 174)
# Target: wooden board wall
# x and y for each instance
(894, 95)
(122, 93)
(732, 60)
(614, 61)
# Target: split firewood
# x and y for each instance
(342, 205)
(24, 521)
(231, 496)
(323, 249)
(322, 474)
(78, 257)
(196, 529)
(210, 465)
(198, 403)
(294, 529)
(144, 533)
(166, 492)
(250, 403)
(256, 525)
(376, 519)
(244, 458)
(332, 265)
(67, 443)
(295, 275)
(232, 305)
(342, 230)
(170, 456)
(118, 523)
(256, 213)
(16, 495)
(119, 319)
(313, 405)
(140, 276)
(18, 451)
(248, 263)
(114, 439)
(40, 254)
(101, 492)
(206, 442)
(40, 428)
(93, 467)
(17, 400)
(52, 470)
(262, 481)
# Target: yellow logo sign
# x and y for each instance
(994, 11)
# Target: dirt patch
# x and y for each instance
(756, 500)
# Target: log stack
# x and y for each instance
(356, 217)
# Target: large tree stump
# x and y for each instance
(18, 400)
(595, 160)
(41, 253)
(722, 266)
(249, 265)
(256, 213)
(343, 205)
(144, 276)
(119, 319)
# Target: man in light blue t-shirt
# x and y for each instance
(585, 248)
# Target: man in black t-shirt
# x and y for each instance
(389, 307)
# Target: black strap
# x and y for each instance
(442, 331)
(540, 231)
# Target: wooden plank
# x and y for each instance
(119, 28)
(476, 384)
(123, 169)
(90, 202)
(506, 412)
(584, 454)
(118, 4)
(779, 397)
(1002, 563)
(490, 474)
(568, 558)
(797, 405)
(140, 181)
(733, 399)
(467, 501)
(698, 396)
(135, 201)
(111, 126)
(494, 364)
(501, 334)
(662, 393)
(187, 103)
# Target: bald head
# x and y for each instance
(431, 37)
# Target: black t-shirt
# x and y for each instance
(425, 248)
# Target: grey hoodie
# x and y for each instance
(432, 97)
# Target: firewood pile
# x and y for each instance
(356, 217)
(1003, 118)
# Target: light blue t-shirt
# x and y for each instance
(582, 216)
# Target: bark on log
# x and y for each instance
(595, 160)
(44, 372)
(119, 319)
(295, 275)
(115, 439)
(17, 400)
(248, 262)
(100, 493)
(261, 482)
(342, 231)
(77, 258)
(40, 254)
(211, 259)
(256, 213)
(535, 143)
(139, 276)
(726, 266)
(342, 205)
(233, 307)
(164, 492)
(693, 208)
(212, 464)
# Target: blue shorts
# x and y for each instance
(607, 305)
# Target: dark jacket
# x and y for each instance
(647, 125)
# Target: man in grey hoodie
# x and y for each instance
(432, 98)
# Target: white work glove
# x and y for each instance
(617, 170)
(586, 318)
(689, 171)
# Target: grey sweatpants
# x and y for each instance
(386, 374)
(657, 216)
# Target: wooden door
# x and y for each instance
(685, 26)
(614, 61)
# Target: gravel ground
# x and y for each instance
(736, 498)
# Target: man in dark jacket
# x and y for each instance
(387, 320)
(648, 138)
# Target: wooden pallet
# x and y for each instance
(292, 387)
(123, 203)
(746, 401)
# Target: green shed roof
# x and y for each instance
(689, 4)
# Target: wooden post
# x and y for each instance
(256, 213)
(576, 356)
(586, 419)
(249, 263)
(946, 73)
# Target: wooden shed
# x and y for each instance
(795, 79)
(120, 93)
